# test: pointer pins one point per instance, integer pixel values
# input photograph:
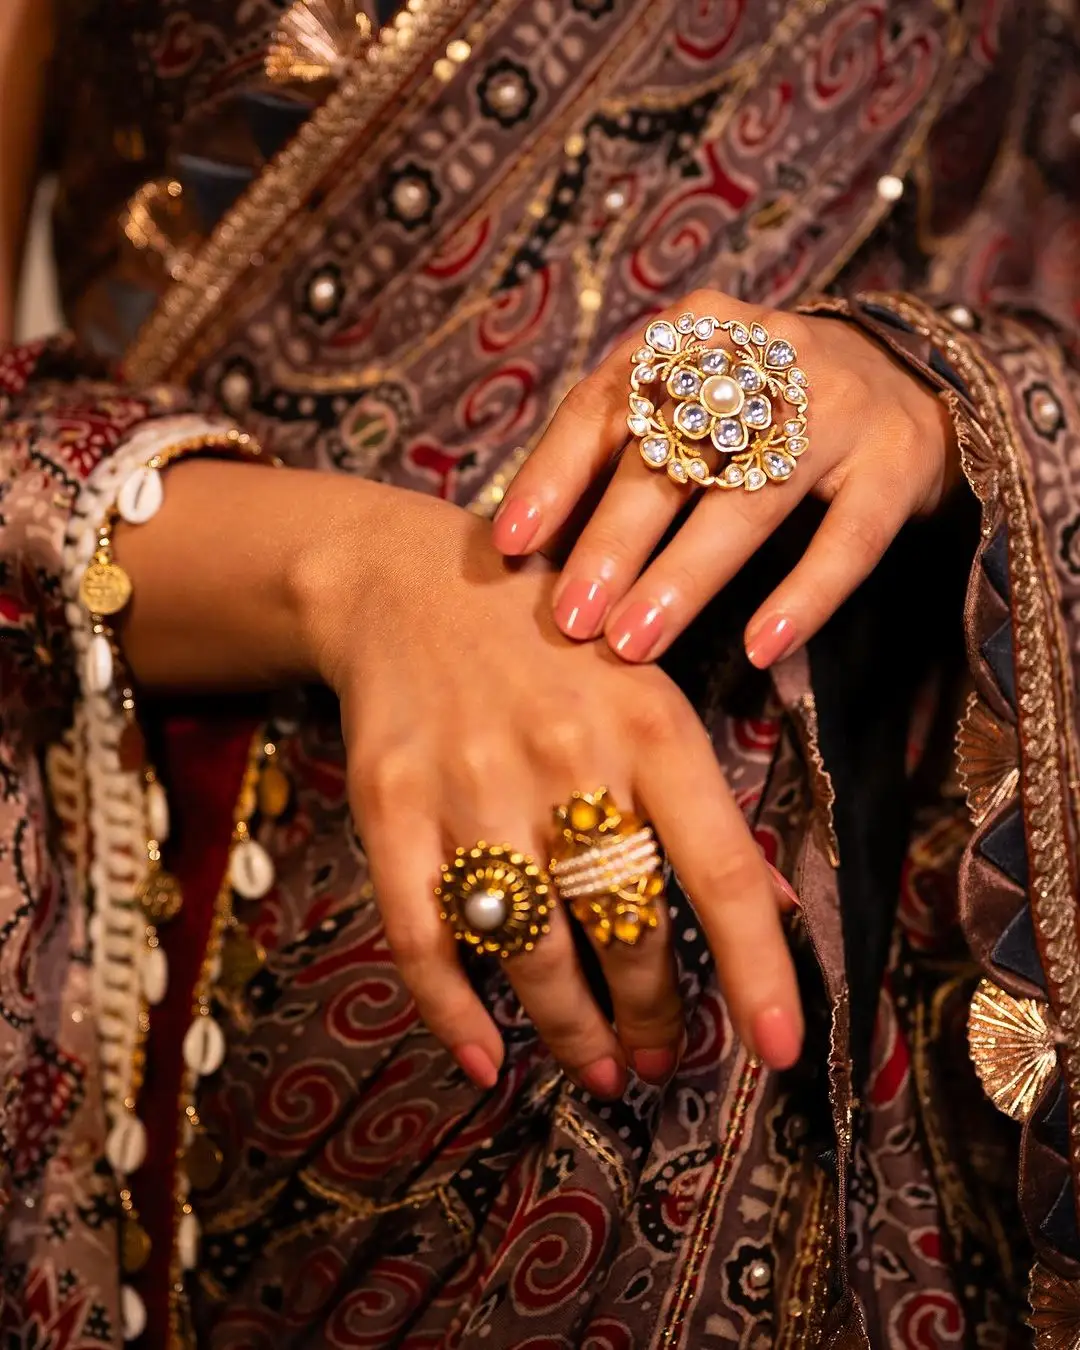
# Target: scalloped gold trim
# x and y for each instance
(1012, 1046)
(988, 759)
(1055, 1310)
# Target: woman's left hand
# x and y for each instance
(882, 449)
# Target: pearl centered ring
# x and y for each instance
(496, 899)
(738, 418)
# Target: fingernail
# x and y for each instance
(581, 608)
(777, 1038)
(770, 641)
(477, 1064)
(515, 527)
(655, 1066)
(639, 632)
(604, 1078)
(791, 900)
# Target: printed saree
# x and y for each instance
(394, 262)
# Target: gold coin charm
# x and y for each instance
(160, 895)
(134, 1246)
(241, 959)
(273, 792)
(105, 587)
(202, 1162)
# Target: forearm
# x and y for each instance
(225, 573)
(25, 44)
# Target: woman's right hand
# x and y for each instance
(468, 716)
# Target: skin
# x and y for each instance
(25, 46)
(466, 712)
(882, 450)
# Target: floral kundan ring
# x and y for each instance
(730, 416)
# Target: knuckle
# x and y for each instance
(651, 720)
(795, 328)
(478, 762)
(721, 878)
(592, 400)
(383, 779)
(412, 950)
(864, 532)
(562, 740)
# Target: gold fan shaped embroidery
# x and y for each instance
(1055, 1310)
(1012, 1046)
(315, 39)
(988, 759)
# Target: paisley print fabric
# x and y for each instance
(496, 193)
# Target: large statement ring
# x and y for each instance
(739, 412)
(495, 899)
(608, 868)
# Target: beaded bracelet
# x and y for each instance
(129, 824)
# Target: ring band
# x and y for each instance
(608, 868)
(496, 899)
(739, 417)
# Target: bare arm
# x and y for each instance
(25, 46)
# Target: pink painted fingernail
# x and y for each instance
(515, 527)
(477, 1064)
(770, 641)
(581, 608)
(655, 1066)
(639, 632)
(787, 891)
(604, 1078)
(777, 1038)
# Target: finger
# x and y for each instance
(721, 869)
(865, 517)
(548, 980)
(588, 429)
(718, 537)
(554, 993)
(405, 865)
(641, 978)
(630, 520)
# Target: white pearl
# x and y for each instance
(157, 811)
(99, 664)
(721, 394)
(323, 293)
(507, 92)
(251, 870)
(204, 1046)
(757, 1277)
(235, 391)
(125, 1146)
(132, 1313)
(485, 910)
(410, 198)
(141, 496)
(961, 316)
(155, 975)
(614, 201)
(187, 1241)
(890, 188)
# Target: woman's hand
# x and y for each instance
(468, 716)
(881, 450)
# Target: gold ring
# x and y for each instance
(739, 418)
(608, 867)
(495, 898)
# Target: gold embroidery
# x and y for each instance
(806, 1300)
(1043, 727)
(988, 757)
(821, 784)
(593, 1143)
(676, 1313)
(1011, 1043)
(1055, 1310)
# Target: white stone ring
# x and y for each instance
(738, 411)
(496, 899)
